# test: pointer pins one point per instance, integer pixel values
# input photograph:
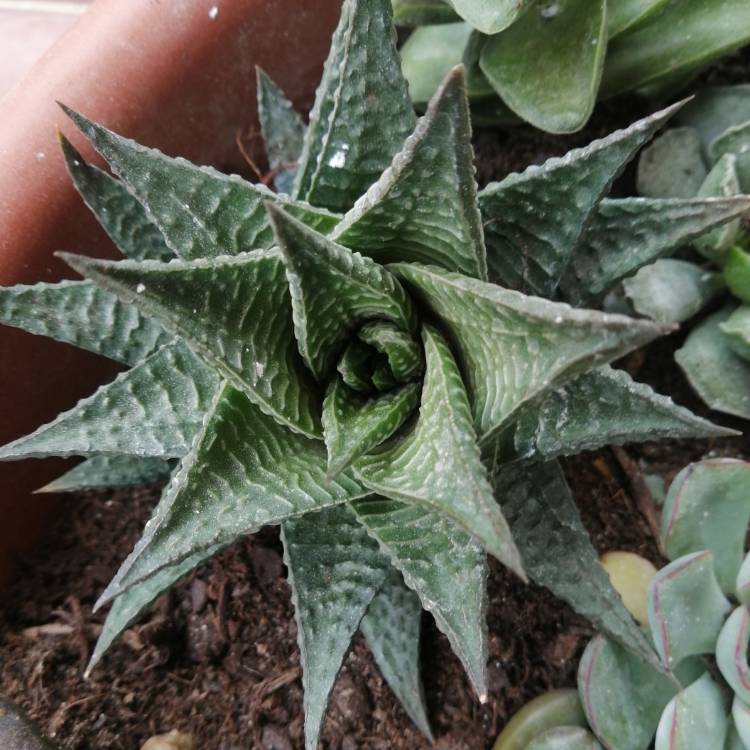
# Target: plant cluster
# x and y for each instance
(547, 61)
(379, 363)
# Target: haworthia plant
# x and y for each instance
(359, 362)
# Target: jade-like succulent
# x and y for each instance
(361, 362)
(547, 61)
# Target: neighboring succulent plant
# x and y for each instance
(343, 363)
(549, 60)
(627, 703)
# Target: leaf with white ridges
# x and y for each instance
(557, 552)
(533, 220)
(110, 471)
(202, 213)
(120, 214)
(79, 313)
(333, 290)
(153, 409)
(629, 233)
(335, 570)
(445, 567)
(282, 129)
(235, 313)
(598, 408)
(392, 627)
(403, 352)
(438, 464)
(424, 208)
(362, 112)
(354, 424)
(512, 347)
(244, 471)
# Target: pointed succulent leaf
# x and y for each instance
(362, 112)
(424, 206)
(546, 67)
(626, 234)
(672, 291)
(731, 652)
(355, 424)
(79, 313)
(354, 366)
(403, 352)
(735, 140)
(201, 213)
(736, 330)
(742, 587)
(154, 409)
(533, 220)
(110, 471)
(333, 291)
(235, 313)
(598, 408)
(512, 347)
(741, 720)
(626, 14)
(243, 472)
(715, 110)
(488, 16)
(391, 627)
(419, 12)
(694, 719)
(120, 214)
(335, 570)
(564, 738)
(686, 608)
(438, 464)
(444, 566)
(557, 552)
(708, 508)
(717, 374)
(282, 129)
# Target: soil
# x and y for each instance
(217, 657)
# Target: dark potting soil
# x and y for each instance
(217, 656)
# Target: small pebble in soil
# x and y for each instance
(173, 740)
(17, 731)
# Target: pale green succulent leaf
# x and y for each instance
(333, 292)
(235, 313)
(420, 12)
(742, 586)
(355, 424)
(362, 112)
(490, 16)
(511, 347)
(737, 272)
(731, 652)
(391, 626)
(733, 740)
(564, 738)
(424, 208)
(708, 508)
(533, 220)
(154, 409)
(736, 330)
(447, 569)
(625, 14)
(79, 313)
(123, 218)
(438, 463)
(736, 141)
(404, 354)
(741, 721)
(335, 570)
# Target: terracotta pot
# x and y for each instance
(175, 74)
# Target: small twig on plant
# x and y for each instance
(265, 179)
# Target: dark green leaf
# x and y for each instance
(403, 352)
(625, 14)
(420, 12)
(735, 140)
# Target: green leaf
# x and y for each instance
(438, 464)
(420, 12)
(736, 141)
(153, 409)
(546, 67)
(355, 366)
(718, 375)
(110, 471)
(79, 313)
(444, 566)
(121, 215)
(235, 313)
(362, 112)
(598, 408)
(627, 234)
(686, 608)
(424, 207)
(565, 738)
(672, 291)
(333, 291)
(353, 424)
(733, 740)
(392, 627)
(626, 14)
(556, 550)
(512, 347)
(243, 472)
(731, 652)
(708, 508)
(335, 570)
(490, 16)
(672, 166)
(737, 272)
(282, 129)
(742, 586)
(529, 247)
(201, 213)
(736, 330)
(403, 352)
